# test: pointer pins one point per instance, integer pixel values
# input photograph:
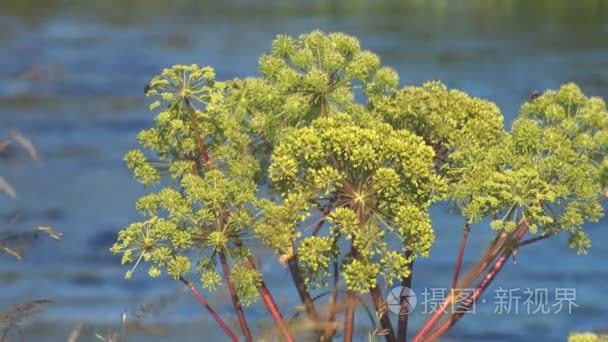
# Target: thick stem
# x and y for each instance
(351, 302)
(331, 328)
(305, 296)
(404, 316)
(214, 314)
(235, 299)
(349, 317)
(270, 304)
(381, 310)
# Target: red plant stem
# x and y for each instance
(523, 243)
(214, 314)
(349, 317)
(435, 317)
(459, 260)
(483, 285)
(270, 304)
(493, 250)
(351, 300)
(381, 309)
(403, 317)
(463, 244)
(448, 323)
(235, 299)
(298, 281)
(536, 239)
(331, 329)
(422, 334)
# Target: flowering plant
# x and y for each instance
(327, 162)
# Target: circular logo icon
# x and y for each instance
(401, 300)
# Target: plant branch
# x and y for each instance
(269, 301)
(404, 317)
(305, 296)
(536, 239)
(489, 255)
(381, 311)
(214, 314)
(423, 333)
(349, 317)
(235, 299)
(331, 328)
(483, 285)
(463, 243)
(270, 304)
(459, 260)
(351, 305)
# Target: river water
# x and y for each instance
(72, 77)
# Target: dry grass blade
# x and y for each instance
(25, 143)
(22, 311)
(7, 188)
(382, 310)
(75, 333)
(381, 332)
(12, 252)
(14, 243)
(110, 337)
(50, 231)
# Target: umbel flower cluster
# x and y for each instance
(326, 161)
